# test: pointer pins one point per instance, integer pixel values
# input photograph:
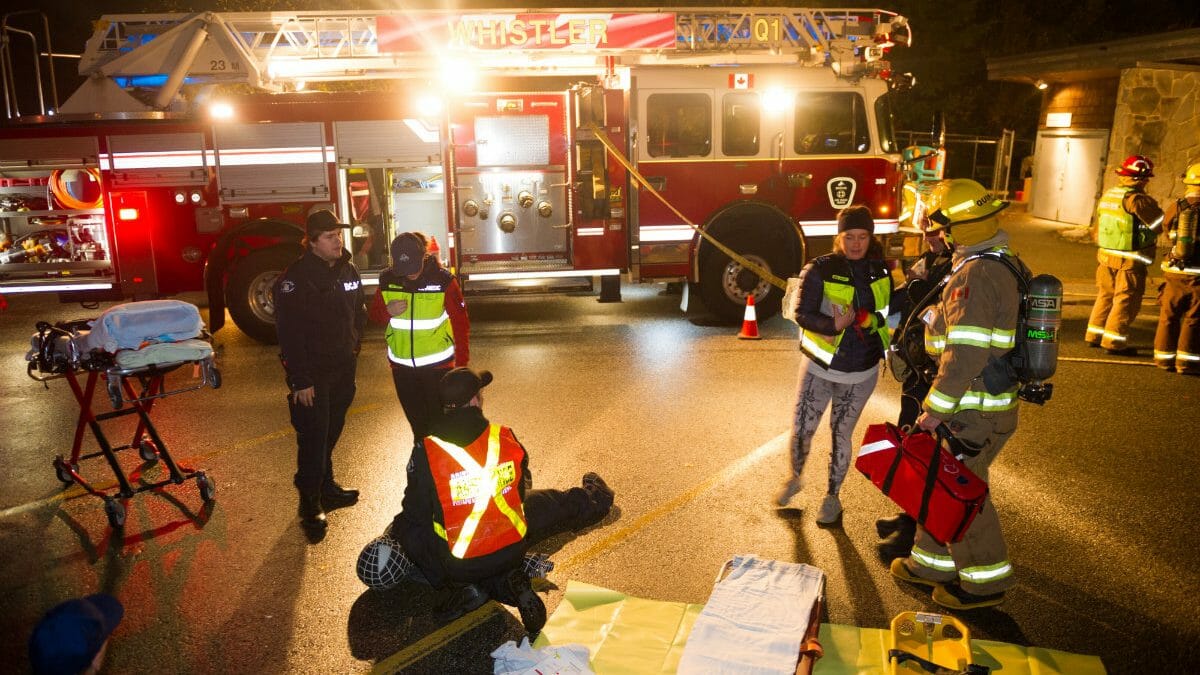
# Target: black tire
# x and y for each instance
(115, 513)
(147, 451)
(208, 487)
(249, 294)
(724, 283)
(214, 377)
(60, 470)
(114, 392)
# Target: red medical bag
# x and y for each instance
(943, 495)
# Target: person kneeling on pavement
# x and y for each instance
(469, 513)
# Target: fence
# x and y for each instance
(987, 160)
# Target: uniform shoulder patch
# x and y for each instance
(287, 286)
(961, 293)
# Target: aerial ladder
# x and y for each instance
(156, 54)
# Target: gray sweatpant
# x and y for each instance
(846, 403)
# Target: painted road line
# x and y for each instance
(1076, 359)
(76, 491)
(437, 639)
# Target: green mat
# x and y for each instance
(633, 635)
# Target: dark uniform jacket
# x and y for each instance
(320, 314)
(860, 349)
(413, 526)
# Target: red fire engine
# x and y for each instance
(195, 149)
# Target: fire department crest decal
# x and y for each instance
(841, 191)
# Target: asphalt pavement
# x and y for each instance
(1096, 491)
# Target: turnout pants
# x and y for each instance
(1120, 285)
(980, 560)
(319, 426)
(417, 389)
(846, 403)
(1177, 339)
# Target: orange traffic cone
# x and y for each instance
(433, 247)
(749, 321)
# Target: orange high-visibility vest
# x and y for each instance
(479, 489)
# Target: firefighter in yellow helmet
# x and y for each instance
(972, 326)
(1126, 229)
(1177, 340)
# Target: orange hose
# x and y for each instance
(64, 197)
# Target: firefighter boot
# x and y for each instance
(901, 571)
(311, 513)
(953, 596)
(901, 522)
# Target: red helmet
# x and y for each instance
(1136, 166)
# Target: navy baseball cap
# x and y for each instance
(408, 254)
(68, 638)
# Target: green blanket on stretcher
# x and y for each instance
(632, 635)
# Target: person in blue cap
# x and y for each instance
(73, 636)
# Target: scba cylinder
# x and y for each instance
(1185, 235)
(1042, 321)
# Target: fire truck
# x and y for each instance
(537, 148)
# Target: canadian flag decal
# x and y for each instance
(741, 81)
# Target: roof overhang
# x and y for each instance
(1099, 60)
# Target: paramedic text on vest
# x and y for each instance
(1127, 226)
(1177, 339)
(319, 317)
(972, 324)
(427, 327)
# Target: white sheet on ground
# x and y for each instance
(755, 619)
(517, 660)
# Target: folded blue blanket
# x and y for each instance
(133, 324)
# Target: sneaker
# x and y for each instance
(790, 489)
(901, 522)
(459, 601)
(900, 570)
(831, 510)
(537, 565)
(954, 597)
(529, 604)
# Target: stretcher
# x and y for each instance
(134, 379)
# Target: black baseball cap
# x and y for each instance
(460, 385)
(321, 221)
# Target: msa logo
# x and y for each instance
(1043, 303)
(841, 191)
(350, 285)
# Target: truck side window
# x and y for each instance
(831, 123)
(678, 125)
(740, 116)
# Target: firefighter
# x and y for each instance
(971, 326)
(427, 327)
(469, 512)
(912, 366)
(1127, 226)
(319, 316)
(1177, 339)
(842, 309)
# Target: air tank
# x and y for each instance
(1042, 321)
(1185, 235)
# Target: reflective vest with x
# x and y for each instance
(478, 488)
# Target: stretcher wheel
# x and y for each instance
(147, 451)
(114, 391)
(60, 470)
(115, 513)
(208, 487)
(214, 376)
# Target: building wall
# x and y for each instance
(1157, 115)
(1090, 102)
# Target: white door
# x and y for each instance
(1068, 174)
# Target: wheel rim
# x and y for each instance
(737, 282)
(260, 296)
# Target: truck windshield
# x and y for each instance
(831, 123)
(883, 118)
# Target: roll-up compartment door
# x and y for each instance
(271, 162)
(62, 152)
(387, 143)
(158, 159)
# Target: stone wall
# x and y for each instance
(1157, 115)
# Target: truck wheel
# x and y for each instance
(724, 283)
(250, 293)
